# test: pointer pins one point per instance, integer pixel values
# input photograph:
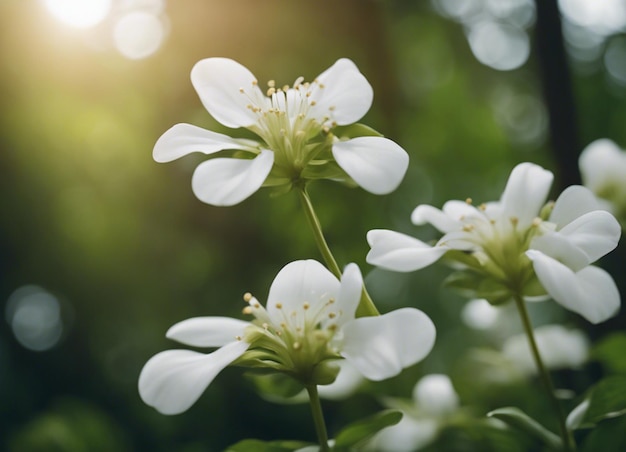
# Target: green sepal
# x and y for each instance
(519, 420)
(276, 386)
(607, 399)
(474, 285)
(360, 431)
(256, 445)
(355, 130)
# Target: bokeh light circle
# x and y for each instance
(138, 34)
(35, 318)
(500, 46)
(79, 13)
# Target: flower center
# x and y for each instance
(296, 339)
(290, 122)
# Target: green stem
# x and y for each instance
(568, 442)
(366, 306)
(318, 417)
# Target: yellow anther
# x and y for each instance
(297, 345)
(279, 305)
(483, 207)
(247, 310)
(265, 325)
(256, 305)
(331, 327)
(306, 305)
(285, 87)
(270, 91)
(322, 85)
(255, 83)
(332, 315)
(332, 108)
(514, 221)
(313, 103)
(247, 297)
(238, 338)
(536, 221)
(331, 300)
(271, 83)
(468, 227)
(241, 90)
(468, 200)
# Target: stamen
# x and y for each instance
(483, 207)
(332, 315)
(313, 103)
(241, 90)
(255, 83)
(537, 221)
(468, 200)
(468, 227)
(285, 87)
(247, 310)
(297, 345)
(514, 221)
(306, 305)
(279, 305)
(247, 297)
(271, 83)
(265, 326)
(238, 338)
(270, 92)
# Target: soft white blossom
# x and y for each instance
(297, 126)
(434, 400)
(561, 348)
(308, 323)
(603, 168)
(518, 245)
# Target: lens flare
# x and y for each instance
(79, 13)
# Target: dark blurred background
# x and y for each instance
(102, 249)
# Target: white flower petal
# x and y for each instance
(438, 218)
(399, 252)
(377, 164)
(218, 82)
(572, 203)
(349, 293)
(172, 381)
(380, 347)
(590, 292)
(526, 192)
(299, 282)
(346, 94)
(559, 247)
(347, 382)
(183, 139)
(228, 181)
(207, 331)
(596, 233)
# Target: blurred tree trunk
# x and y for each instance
(557, 91)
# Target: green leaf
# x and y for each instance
(256, 445)
(607, 399)
(362, 430)
(355, 130)
(519, 420)
(608, 436)
(610, 352)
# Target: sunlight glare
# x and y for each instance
(138, 35)
(79, 13)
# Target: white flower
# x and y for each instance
(509, 243)
(560, 348)
(434, 399)
(295, 126)
(307, 324)
(603, 168)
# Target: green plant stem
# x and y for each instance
(318, 417)
(568, 442)
(366, 306)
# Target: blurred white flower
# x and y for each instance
(603, 168)
(507, 245)
(434, 400)
(561, 348)
(308, 324)
(295, 126)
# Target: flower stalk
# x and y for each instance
(544, 375)
(366, 306)
(318, 417)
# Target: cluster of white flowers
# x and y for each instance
(520, 247)
(507, 245)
